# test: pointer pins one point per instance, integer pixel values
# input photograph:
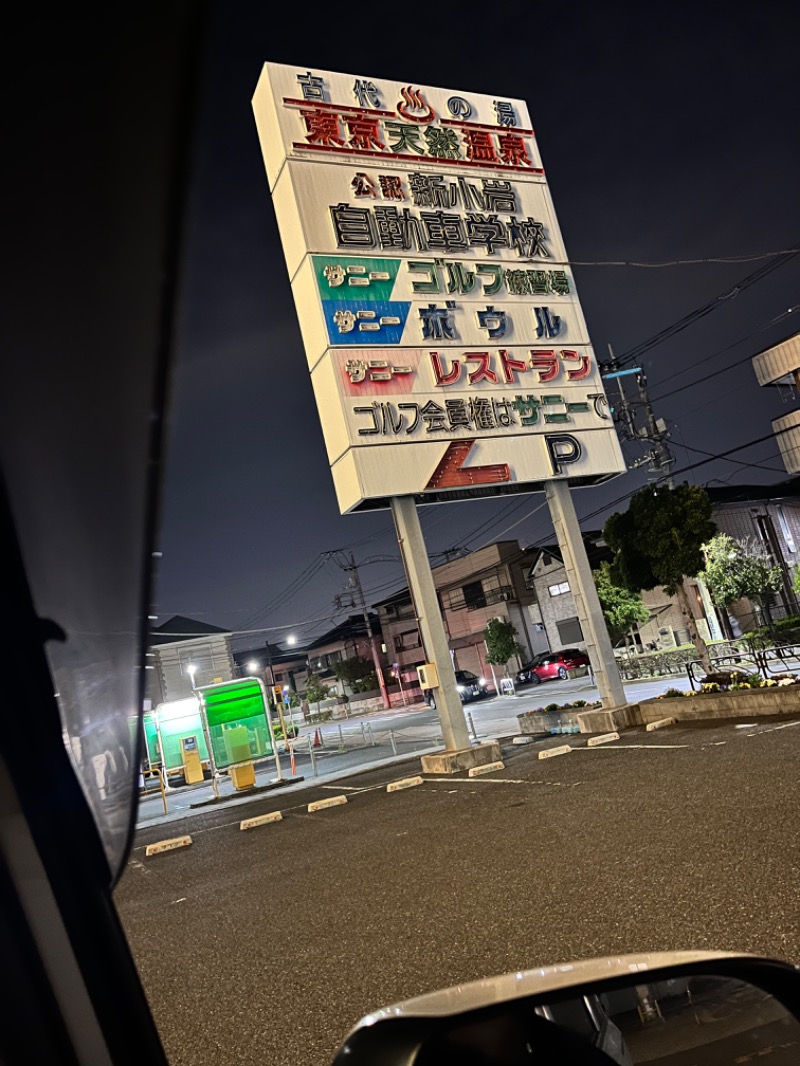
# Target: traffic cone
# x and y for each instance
(317, 741)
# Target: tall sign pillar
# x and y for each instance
(584, 592)
(429, 617)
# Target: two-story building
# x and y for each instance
(344, 641)
(529, 588)
(184, 654)
(767, 516)
(665, 628)
(485, 584)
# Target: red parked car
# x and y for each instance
(550, 665)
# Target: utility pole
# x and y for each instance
(623, 415)
(659, 458)
(354, 582)
(653, 430)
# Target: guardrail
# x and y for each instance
(761, 661)
(155, 772)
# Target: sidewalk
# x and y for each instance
(363, 749)
(179, 812)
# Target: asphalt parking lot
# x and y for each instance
(266, 945)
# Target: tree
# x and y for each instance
(659, 541)
(358, 672)
(622, 609)
(316, 689)
(736, 569)
(501, 643)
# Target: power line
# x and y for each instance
(514, 505)
(745, 258)
(729, 366)
(524, 518)
(714, 457)
(721, 351)
(634, 353)
(289, 592)
(758, 466)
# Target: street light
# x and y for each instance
(253, 666)
(291, 639)
(191, 670)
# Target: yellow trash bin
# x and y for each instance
(243, 776)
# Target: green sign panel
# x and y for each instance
(174, 721)
(344, 277)
(233, 701)
(151, 738)
(236, 715)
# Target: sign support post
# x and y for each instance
(423, 594)
(582, 586)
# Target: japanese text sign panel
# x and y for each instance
(506, 220)
(321, 115)
(436, 303)
(467, 469)
(393, 302)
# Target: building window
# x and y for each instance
(409, 639)
(569, 631)
(559, 590)
(787, 533)
(474, 596)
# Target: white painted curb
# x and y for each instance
(262, 819)
(320, 805)
(489, 768)
(606, 738)
(168, 845)
(660, 724)
(550, 752)
(407, 782)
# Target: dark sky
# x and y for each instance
(668, 132)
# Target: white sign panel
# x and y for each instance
(414, 394)
(326, 208)
(468, 469)
(325, 116)
(448, 350)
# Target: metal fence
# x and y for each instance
(334, 739)
(780, 659)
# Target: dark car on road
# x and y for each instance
(550, 665)
(470, 687)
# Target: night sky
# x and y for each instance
(668, 132)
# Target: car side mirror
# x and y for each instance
(671, 1009)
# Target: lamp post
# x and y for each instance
(191, 670)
